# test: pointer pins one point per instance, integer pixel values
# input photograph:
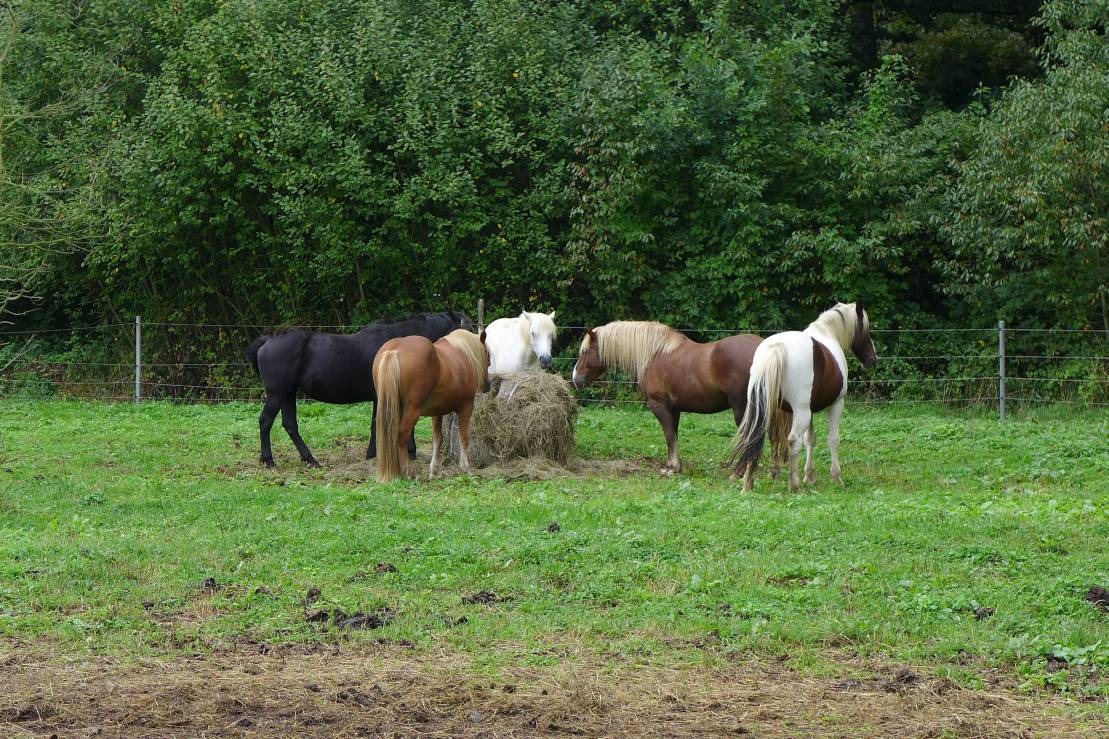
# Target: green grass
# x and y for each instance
(112, 515)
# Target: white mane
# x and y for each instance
(839, 323)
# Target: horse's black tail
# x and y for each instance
(252, 352)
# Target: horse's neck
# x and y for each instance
(833, 345)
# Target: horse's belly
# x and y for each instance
(338, 390)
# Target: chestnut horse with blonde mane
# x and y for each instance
(674, 372)
(415, 378)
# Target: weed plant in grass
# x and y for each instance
(954, 540)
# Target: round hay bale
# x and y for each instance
(525, 415)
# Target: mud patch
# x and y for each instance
(485, 597)
(1099, 596)
(380, 691)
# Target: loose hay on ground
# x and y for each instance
(524, 416)
(276, 691)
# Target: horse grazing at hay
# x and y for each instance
(520, 344)
(802, 372)
(333, 368)
(674, 372)
(415, 378)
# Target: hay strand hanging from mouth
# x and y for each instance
(525, 415)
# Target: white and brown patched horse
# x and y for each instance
(802, 372)
(675, 374)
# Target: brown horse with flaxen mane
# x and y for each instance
(415, 378)
(675, 374)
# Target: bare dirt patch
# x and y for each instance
(281, 691)
(345, 463)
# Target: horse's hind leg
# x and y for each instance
(265, 423)
(371, 450)
(436, 443)
(407, 428)
(289, 421)
(802, 417)
(464, 435)
(810, 442)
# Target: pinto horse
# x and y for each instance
(674, 373)
(802, 372)
(333, 368)
(415, 378)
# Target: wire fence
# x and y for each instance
(204, 363)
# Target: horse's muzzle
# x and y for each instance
(546, 361)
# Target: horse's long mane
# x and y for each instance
(841, 322)
(632, 345)
(470, 346)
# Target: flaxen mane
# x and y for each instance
(632, 345)
(841, 323)
(471, 347)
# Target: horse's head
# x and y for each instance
(862, 346)
(542, 330)
(485, 374)
(589, 366)
(461, 320)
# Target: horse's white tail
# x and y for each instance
(390, 407)
(764, 401)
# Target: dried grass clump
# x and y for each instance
(524, 416)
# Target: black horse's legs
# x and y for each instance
(265, 423)
(371, 450)
(289, 421)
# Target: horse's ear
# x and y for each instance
(482, 336)
(524, 315)
(551, 315)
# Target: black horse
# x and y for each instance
(334, 368)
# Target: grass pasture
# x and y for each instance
(940, 591)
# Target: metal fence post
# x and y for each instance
(1001, 370)
(138, 359)
(480, 314)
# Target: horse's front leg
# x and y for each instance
(668, 418)
(436, 443)
(834, 414)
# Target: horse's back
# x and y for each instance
(508, 348)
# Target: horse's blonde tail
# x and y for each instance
(389, 409)
(764, 400)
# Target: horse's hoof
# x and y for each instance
(371, 454)
(810, 479)
(312, 464)
(269, 464)
(666, 472)
(412, 455)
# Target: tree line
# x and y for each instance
(708, 163)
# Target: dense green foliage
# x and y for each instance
(104, 542)
(706, 163)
